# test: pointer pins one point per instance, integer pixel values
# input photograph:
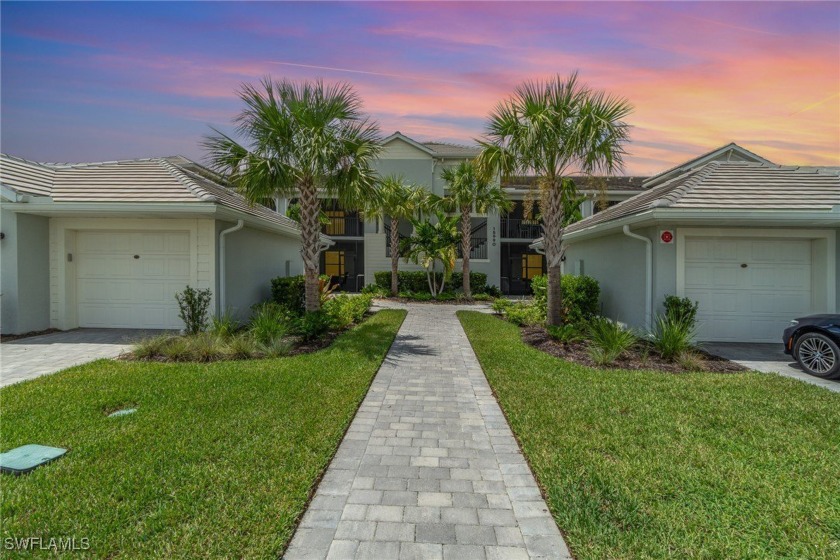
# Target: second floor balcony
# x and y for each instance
(343, 224)
(517, 228)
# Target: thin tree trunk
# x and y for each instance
(466, 246)
(310, 230)
(395, 256)
(552, 226)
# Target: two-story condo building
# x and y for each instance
(500, 243)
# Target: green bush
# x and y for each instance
(269, 322)
(580, 296)
(376, 290)
(608, 340)
(673, 337)
(416, 281)
(345, 310)
(192, 308)
(312, 325)
(524, 313)
(224, 326)
(151, 348)
(290, 292)
(568, 332)
(681, 310)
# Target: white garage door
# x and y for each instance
(129, 279)
(748, 288)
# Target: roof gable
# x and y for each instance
(400, 146)
(729, 152)
(26, 177)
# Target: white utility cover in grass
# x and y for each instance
(129, 279)
(748, 288)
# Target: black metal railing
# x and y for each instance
(344, 226)
(478, 248)
(517, 228)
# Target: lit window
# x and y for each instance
(334, 263)
(532, 265)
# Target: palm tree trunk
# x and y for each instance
(553, 230)
(395, 256)
(466, 246)
(310, 232)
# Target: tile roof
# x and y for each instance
(729, 151)
(456, 150)
(612, 183)
(719, 185)
(173, 179)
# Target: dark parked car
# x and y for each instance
(814, 342)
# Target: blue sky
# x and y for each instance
(96, 81)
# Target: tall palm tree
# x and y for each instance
(470, 190)
(397, 201)
(300, 139)
(551, 129)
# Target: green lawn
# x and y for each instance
(655, 465)
(218, 461)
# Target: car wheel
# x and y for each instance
(818, 355)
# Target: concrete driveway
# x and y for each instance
(769, 358)
(28, 358)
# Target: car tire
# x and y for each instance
(818, 355)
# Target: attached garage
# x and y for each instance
(127, 279)
(754, 243)
(749, 288)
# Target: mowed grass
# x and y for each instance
(218, 461)
(640, 464)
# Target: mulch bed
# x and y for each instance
(10, 337)
(577, 352)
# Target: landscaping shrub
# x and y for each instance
(500, 305)
(376, 290)
(224, 326)
(672, 337)
(608, 340)
(290, 292)
(344, 310)
(681, 309)
(150, 348)
(241, 347)
(580, 296)
(275, 348)
(310, 326)
(269, 322)
(569, 332)
(192, 308)
(524, 313)
(416, 281)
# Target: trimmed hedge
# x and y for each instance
(416, 281)
(290, 292)
(580, 297)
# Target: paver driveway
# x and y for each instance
(429, 467)
(32, 357)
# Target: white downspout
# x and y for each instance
(222, 270)
(648, 275)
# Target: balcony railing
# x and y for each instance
(517, 228)
(478, 248)
(344, 226)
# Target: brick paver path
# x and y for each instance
(429, 467)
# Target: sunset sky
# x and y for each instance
(85, 82)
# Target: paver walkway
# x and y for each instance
(28, 358)
(429, 467)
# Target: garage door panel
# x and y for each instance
(114, 289)
(752, 303)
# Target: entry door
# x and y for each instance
(748, 288)
(129, 279)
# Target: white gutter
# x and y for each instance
(648, 275)
(222, 270)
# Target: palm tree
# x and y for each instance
(396, 201)
(551, 129)
(471, 190)
(300, 139)
(433, 242)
